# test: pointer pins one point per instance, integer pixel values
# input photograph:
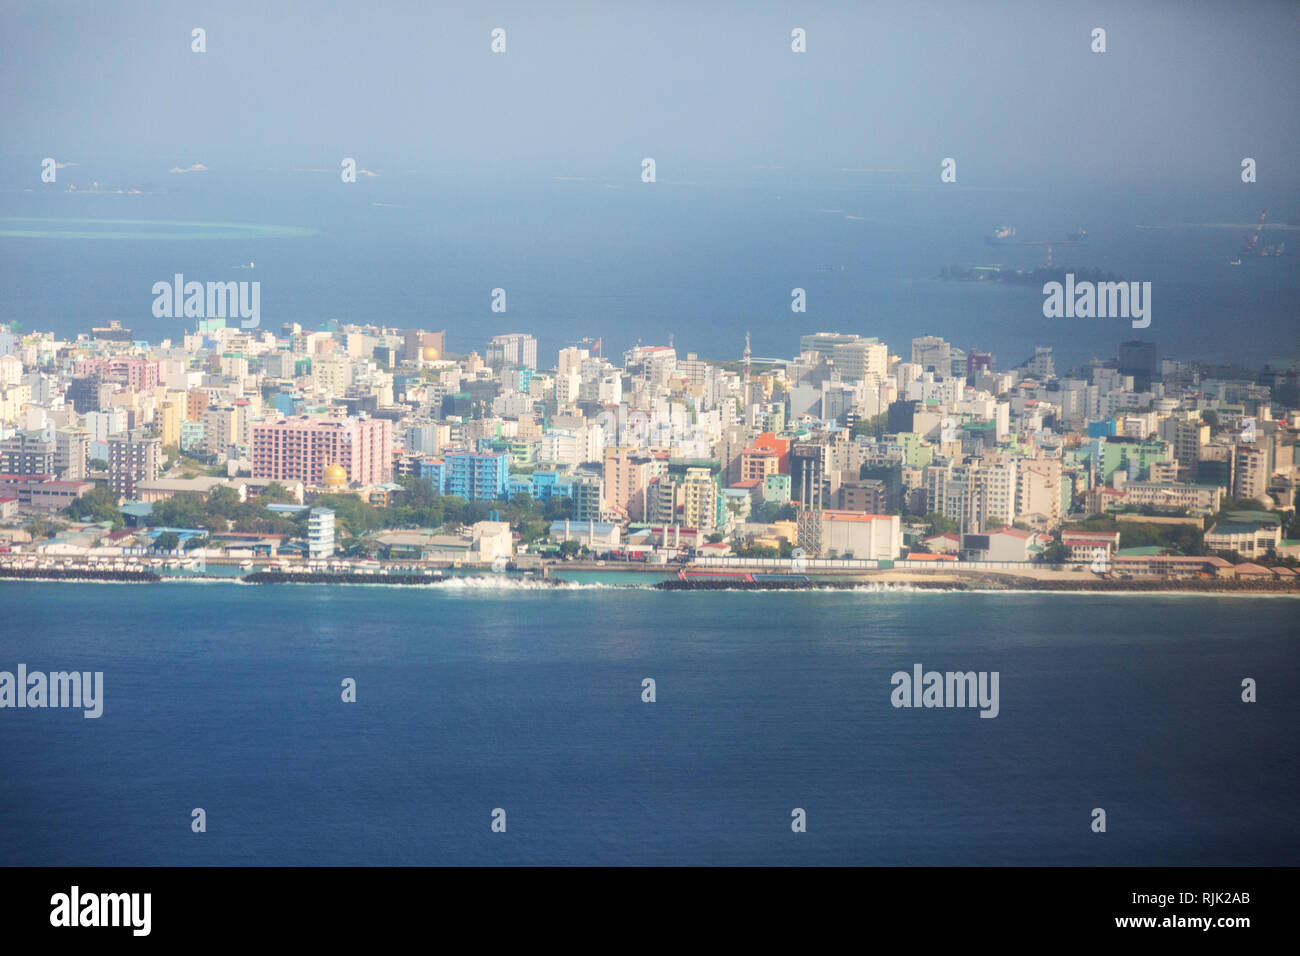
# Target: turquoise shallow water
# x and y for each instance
(484, 694)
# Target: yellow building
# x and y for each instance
(699, 500)
(168, 417)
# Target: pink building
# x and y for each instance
(299, 449)
(626, 481)
(137, 373)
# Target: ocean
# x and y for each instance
(499, 694)
(702, 259)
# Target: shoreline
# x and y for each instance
(984, 582)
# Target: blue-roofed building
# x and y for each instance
(136, 513)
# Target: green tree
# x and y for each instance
(275, 493)
(941, 524)
(224, 501)
(1056, 553)
(557, 509)
(167, 541)
(98, 504)
(756, 551)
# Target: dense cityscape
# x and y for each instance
(350, 446)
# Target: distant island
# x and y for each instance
(1039, 276)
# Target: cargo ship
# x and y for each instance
(1001, 236)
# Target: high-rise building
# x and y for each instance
(27, 453)
(72, 453)
(1139, 359)
(932, 353)
(1187, 435)
(167, 418)
(823, 343)
(700, 499)
(978, 362)
(866, 495)
(86, 393)
(320, 533)
(133, 456)
(1041, 365)
(571, 360)
(515, 348)
(476, 475)
(587, 497)
(110, 421)
(221, 429)
(858, 360)
(1249, 472)
(627, 480)
(300, 448)
(758, 463)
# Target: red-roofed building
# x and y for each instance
(947, 543)
(1083, 545)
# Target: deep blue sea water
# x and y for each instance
(227, 697)
(704, 258)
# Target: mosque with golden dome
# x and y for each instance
(335, 476)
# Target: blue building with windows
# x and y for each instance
(542, 485)
(434, 471)
(476, 476)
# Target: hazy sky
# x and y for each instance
(1012, 91)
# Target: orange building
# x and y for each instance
(769, 442)
(196, 403)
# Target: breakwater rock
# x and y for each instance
(78, 574)
(314, 577)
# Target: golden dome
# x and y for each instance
(335, 475)
(430, 353)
